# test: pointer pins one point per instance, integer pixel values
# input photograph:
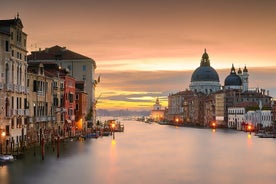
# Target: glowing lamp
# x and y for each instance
(113, 125)
(3, 134)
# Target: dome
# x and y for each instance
(233, 79)
(205, 73)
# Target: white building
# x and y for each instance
(236, 116)
(259, 118)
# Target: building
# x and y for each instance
(206, 102)
(81, 103)
(80, 67)
(157, 113)
(40, 103)
(13, 90)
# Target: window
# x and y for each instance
(12, 53)
(7, 45)
(84, 68)
(71, 97)
(61, 86)
(69, 67)
(77, 96)
(28, 82)
(84, 77)
(77, 107)
(55, 100)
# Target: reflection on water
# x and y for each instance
(151, 153)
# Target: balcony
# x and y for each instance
(9, 87)
(13, 112)
(16, 88)
(27, 112)
(20, 112)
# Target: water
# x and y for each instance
(152, 153)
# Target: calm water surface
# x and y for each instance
(152, 153)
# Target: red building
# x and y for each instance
(69, 104)
(81, 103)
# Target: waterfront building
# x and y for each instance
(206, 102)
(175, 106)
(40, 103)
(157, 114)
(259, 118)
(80, 67)
(214, 109)
(236, 117)
(205, 78)
(81, 103)
(13, 90)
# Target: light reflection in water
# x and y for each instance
(4, 174)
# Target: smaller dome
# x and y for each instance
(233, 79)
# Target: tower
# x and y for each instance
(245, 76)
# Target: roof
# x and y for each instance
(55, 53)
(16, 21)
(205, 72)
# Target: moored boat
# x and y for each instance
(6, 158)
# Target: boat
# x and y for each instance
(266, 135)
(6, 158)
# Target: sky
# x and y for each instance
(149, 48)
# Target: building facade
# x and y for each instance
(13, 62)
(80, 67)
(157, 113)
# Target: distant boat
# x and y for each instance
(266, 135)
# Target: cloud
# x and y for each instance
(141, 88)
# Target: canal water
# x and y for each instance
(152, 153)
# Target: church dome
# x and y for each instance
(233, 79)
(205, 72)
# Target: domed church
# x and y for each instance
(205, 79)
(237, 81)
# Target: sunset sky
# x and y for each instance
(149, 48)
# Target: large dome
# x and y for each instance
(233, 79)
(205, 79)
(205, 73)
